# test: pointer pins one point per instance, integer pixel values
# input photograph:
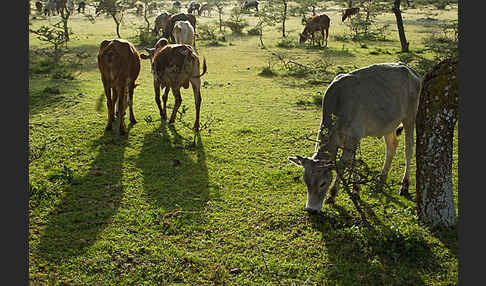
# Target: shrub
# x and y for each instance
(255, 31)
(236, 23)
(287, 42)
(146, 37)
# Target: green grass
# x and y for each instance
(157, 208)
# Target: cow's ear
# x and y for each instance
(297, 160)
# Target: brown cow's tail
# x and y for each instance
(205, 69)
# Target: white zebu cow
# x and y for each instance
(183, 33)
(371, 101)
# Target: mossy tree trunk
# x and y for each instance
(436, 119)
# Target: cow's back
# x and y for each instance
(179, 17)
(373, 100)
(118, 61)
(174, 64)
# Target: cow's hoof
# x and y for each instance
(133, 121)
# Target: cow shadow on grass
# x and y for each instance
(358, 255)
(175, 175)
(88, 203)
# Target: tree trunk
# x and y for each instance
(117, 26)
(401, 31)
(65, 17)
(145, 17)
(436, 119)
(220, 12)
(284, 18)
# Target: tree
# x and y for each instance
(149, 7)
(436, 119)
(401, 30)
(220, 5)
(267, 16)
(115, 8)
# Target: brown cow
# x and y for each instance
(349, 12)
(119, 64)
(314, 24)
(174, 66)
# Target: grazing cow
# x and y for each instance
(81, 7)
(60, 4)
(173, 66)
(349, 12)
(371, 101)
(178, 17)
(38, 6)
(183, 33)
(161, 22)
(250, 4)
(50, 8)
(205, 7)
(193, 6)
(119, 64)
(314, 24)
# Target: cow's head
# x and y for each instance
(317, 177)
(303, 37)
(162, 42)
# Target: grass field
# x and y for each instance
(158, 208)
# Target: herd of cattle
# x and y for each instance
(379, 100)
(54, 7)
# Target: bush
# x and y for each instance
(236, 23)
(255, 31)
(287, 42)
(146, 37)
(208, 32)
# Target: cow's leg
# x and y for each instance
(121, 108)
(349, 152)
(130, 102)
(333, 191)
(327, 34)
(109, 105)
(196, 88)
(391, 143)
(408, 128)
(165, 96)
(157, 98)
(178, 100)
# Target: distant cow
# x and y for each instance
(250, 4)
(314, 24)
(50, 8)
(81, 6)
(174, 66)
(161, 22)
(178, 17)
(60, 4)
(349, 12)
(119, 65)
(193, 6)
(371, 101)
(183, 33)
(205, 7)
